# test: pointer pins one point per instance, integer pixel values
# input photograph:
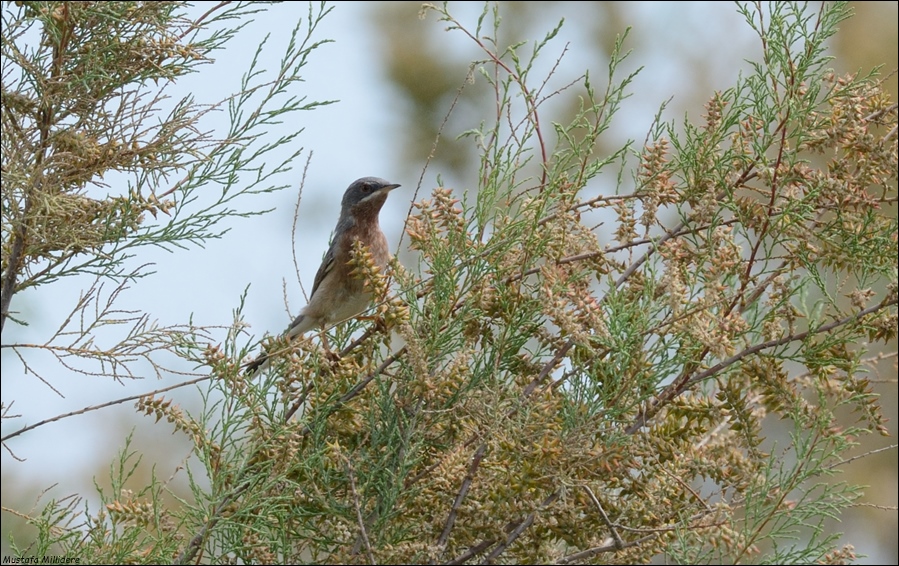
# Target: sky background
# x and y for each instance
(362, 134)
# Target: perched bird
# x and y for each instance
(336, 294)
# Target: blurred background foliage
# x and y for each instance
(688, 50)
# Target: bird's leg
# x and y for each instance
(329, 353)
(376, 320)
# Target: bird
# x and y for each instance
(336, 294)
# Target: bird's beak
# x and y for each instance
(388, 188)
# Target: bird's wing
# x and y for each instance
(323, 270)
(300, 324)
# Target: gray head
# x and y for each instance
(365, 192)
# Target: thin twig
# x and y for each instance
(686, 380)
(463, 491)
(520, 528)
(362, 530)
(196, 542)
(473, 551)
(431, 155)
(526, 94)
(590, 552)
(196, 23)
(619, 543)
(866, 454)
(686, 486)
(293, 227)
(881, 112)
(103, 406)
(874, 506)
(361, 385)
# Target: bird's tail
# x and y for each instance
(297, 327)
(260, 363)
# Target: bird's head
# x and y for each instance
(367, 192)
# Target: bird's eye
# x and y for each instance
(366, 188)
